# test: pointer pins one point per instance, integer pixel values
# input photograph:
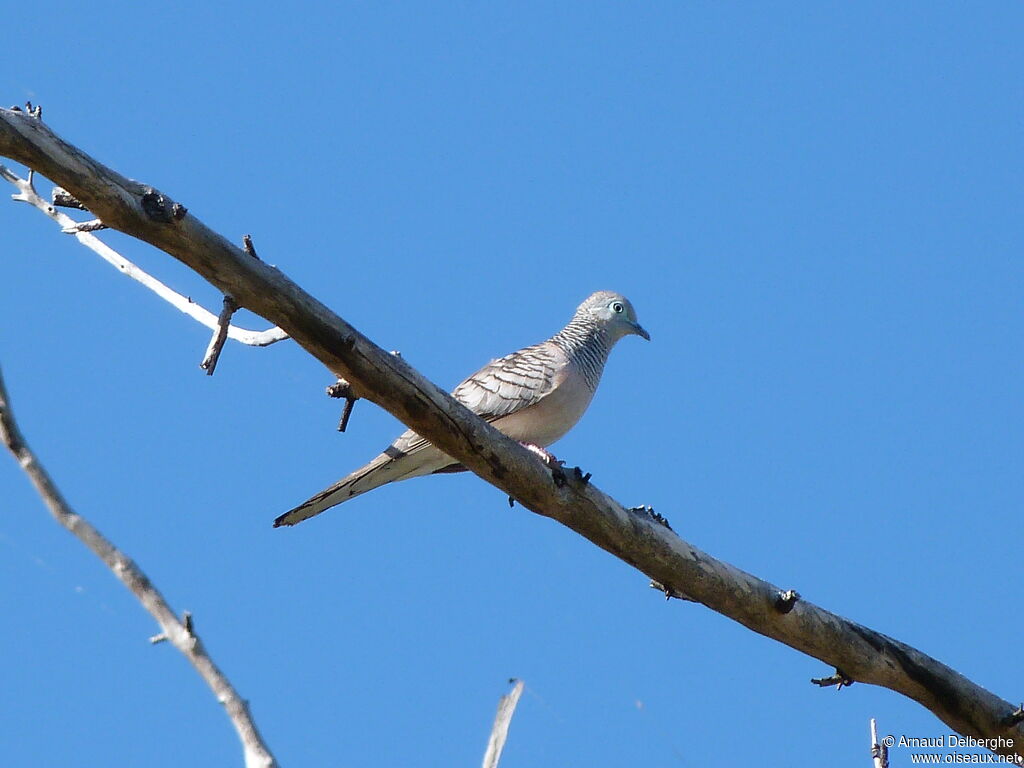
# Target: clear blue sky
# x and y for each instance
(816, 209)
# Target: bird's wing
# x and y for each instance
(513, 382)
(499, 389)
(503, 387)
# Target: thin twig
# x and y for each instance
(879, 752)
(64, 199)
(249, 247)
(502, 720)
(82, 231)
(840, 680)
(216, 345)
(178, 633)
(340, 388)
(670, 592)
(95, 225)
(346, 413)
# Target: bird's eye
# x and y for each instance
(617, 307)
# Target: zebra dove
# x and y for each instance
(534, 396)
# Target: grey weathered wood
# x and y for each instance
(502, 720)
(862, 654)
(179, 633)
(83, 233)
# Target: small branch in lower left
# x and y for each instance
(179, 632)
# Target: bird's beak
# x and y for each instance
(639, 331)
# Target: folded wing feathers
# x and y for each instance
(511, 383)
(498, 389)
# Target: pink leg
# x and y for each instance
(545, 456)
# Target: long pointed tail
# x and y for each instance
(381, 470)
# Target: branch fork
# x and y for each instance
(160, 207)
(341, 388)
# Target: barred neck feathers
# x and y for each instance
(587, 345)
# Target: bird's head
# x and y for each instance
(614, 313)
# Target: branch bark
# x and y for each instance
(879, 752)
(83, 233)
(179, 633)
(502, 721)
(862, 654)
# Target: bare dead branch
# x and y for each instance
(63, 199)
(84, 226)
(840, 680)
(865, 655)
(27, 194)
(213, 351)
(342, 389)
(249, 247)
(502, 720)
(879, 752)
(178, 633)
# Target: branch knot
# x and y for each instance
(159, 207)
(840, 680)
(785, 600)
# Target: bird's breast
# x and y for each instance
(555, 414)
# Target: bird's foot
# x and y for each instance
(550, 461)
(557, 466)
